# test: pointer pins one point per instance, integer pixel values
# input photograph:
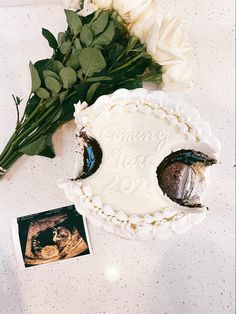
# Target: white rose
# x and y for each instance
(89, 8)
(103, 4)
(144, 26)
(132, 10)
(73, 5)
(168, 42)
(179, 77)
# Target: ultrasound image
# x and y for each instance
(52, 236)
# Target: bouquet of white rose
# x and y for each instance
(108, 45)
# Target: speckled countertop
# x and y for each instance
(190, 274)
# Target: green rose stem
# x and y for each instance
(93, 57)
(11, 153)
(29, 131)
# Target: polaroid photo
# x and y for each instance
(51, 236)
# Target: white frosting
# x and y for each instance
(136, 131)
(133, 145)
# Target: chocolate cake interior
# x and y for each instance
(92, 156)
(181, 176)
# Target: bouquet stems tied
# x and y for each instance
(95, 56)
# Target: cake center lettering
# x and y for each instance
(126, 185)
(110, 133)
(122, 160)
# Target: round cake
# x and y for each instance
(142, 164)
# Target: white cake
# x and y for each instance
(136, 130)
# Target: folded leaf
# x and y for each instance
(50, 38)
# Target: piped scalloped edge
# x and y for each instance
(157, 103)
(150, 226)
(177, 112)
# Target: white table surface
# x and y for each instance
(190, 274)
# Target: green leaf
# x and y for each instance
(48, 152)
(131, 84)
(51, 101)
(80, 74)
(56, 116)
(65, 47)
(154, 74)
(100, 23)
(36, 81)
(73, 61)
(50, 38)
(32, 105)
(91, 92)
(62, 96)
(68, 77)
(106, 37)
(138, 68)
(56, 66)
(157, 78)
(86, 36)
(43, 93)
(37, 146)
(61, 38)
(132, 42)
(77, 44)
(70, 101)
(99, 78)
(47, 73)
(42, 64)
(74, 22)
(53, 84)
(96, 14)
(92, 61)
